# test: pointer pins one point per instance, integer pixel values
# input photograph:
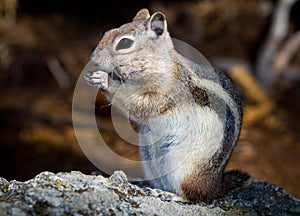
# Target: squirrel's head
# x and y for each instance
(137, 49)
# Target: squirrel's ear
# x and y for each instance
(158, 23)
(142, 14)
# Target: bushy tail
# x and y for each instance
(233, 179)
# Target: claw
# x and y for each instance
(97, 78)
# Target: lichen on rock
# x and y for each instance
(74, 193)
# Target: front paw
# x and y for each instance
(97, 78)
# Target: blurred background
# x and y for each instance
(44, 46)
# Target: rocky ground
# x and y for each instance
(73, 193)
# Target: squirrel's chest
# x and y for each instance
(185, 131)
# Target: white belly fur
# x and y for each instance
(198, 133)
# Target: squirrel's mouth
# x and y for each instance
(100, 78)
(116, 77)
(95, 70)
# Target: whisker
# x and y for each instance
(103, 106)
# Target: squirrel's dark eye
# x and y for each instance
(124, 43)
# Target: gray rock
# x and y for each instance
(77, 194)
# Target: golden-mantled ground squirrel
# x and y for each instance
(190, 110)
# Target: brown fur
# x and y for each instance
(152, 104)
(202, 185)
(142, 14)
(200, 96)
